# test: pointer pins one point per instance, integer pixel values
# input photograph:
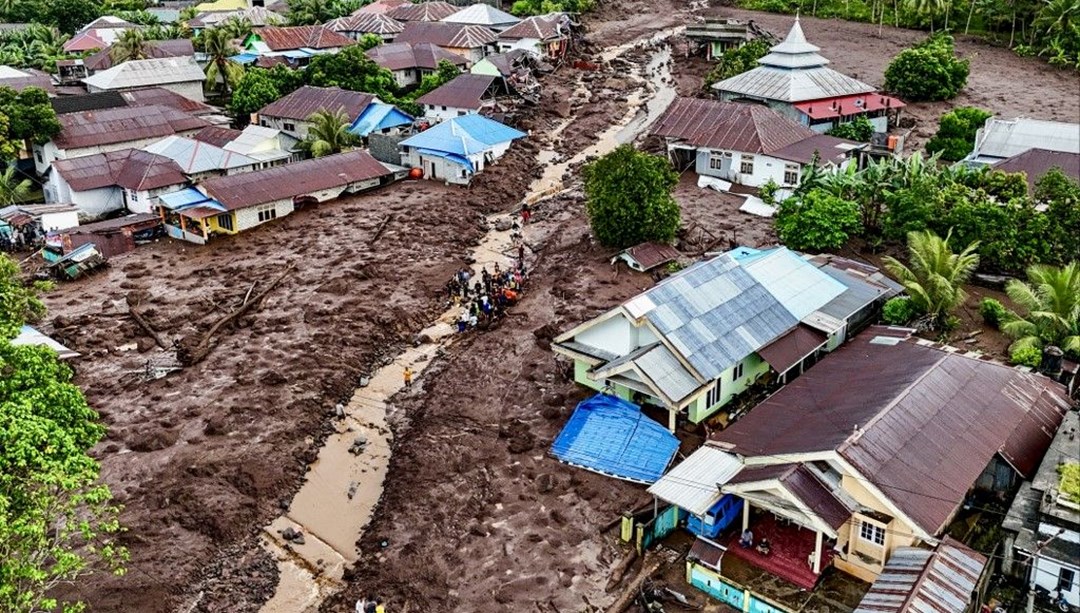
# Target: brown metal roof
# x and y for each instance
(450, 35)
(465, 91)
(301, 103)
(217, 136)
(128, 168)
(800, 481)
(403, 56)
(918, 422)
(706, 552)
(542, 27)
(828, 149)
(33, 78)
(651, 255)
(280, 182)
(425, 11)
(1037, 162)
(87, 102)
(297, 37)
(119, 125)
(917, 580)
(733, 126)
(114, 225)
(366, 23)
(148, 96)
(792, 347)
(379, 7)
(178, 47)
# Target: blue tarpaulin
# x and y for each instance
(611, 436)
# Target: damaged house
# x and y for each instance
(464, 95)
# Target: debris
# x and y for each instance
(619, 570)
(352, 489)
(293, 536)
(650, 564)
(145, 325)
(359, 444)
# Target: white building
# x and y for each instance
(107, 182)
(456, 149)
(464, 95)
(409, 63)
(181, 75)
(1000, 139)
(541, 35)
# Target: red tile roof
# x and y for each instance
(465, 91)
(916, 421)
(296, 37)
(425, 11)
(733, 126)
(447, 35)
(543, 27)
(120, 125)
(300, 178)
(128, 168)
(301, 103)
(403, 56)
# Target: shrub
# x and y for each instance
(955, 137)
(899, 311)
(1070, 480)
(927, 71)
(628, 198)
(817, 220)
(859, 130)
(1026, 356)
(737, 61)
(992, 311)
(767, 192)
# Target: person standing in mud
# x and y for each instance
(407, 375)
(526, 213)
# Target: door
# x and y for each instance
(431, 173)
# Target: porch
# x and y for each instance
(792, 550)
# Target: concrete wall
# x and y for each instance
(442, 113)
(45, 155)
(1047, 570)
(752, 368)
(408, 76)
(299, 129)
(384, 147)
(59, 221)
(764, 168)
(147, 201)
(532, 45)
(249, 217)
(92, 203)
(864, 559)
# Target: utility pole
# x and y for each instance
(1031, 570)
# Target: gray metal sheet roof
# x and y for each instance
(664, 369)
(1004, 138)
(694, 484)
(792, 85)
(859, 293)
(919, 580)
(799, 285)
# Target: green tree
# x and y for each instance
(130, 45)
(31, 117)
(928, 71)
(955, 137)
(8, 148)
(71, 15)
(1061, 194)
(255, 90)
(817, 220)
(328, 134)
(737, 61)
(445, 72)
(1050, 301)
(237, 28)
(219, 48)
(351, 69)
(12, 188)
(524, 8)
(859, 129)
(56, 521)
(369, 41)
(934, 276)
(628, 198)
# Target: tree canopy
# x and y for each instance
(737, 61)
(934, 276)
(30, 116)
(1050, 302)
(928, 71)
(859, 129)
(955, 137)
(259, 87)
(351, 69)
(329, 133)
(628, 198)
(816, 220)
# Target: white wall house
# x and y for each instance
(105, 183)
(456, 149)
(180, 75)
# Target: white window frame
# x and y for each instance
(266, 212)
(871, 532)
(746, 160)
(738, 372)
(716, 160)
(793, 170)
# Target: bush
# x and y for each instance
(899, 311)
(524, 8)
(992, 311)
(858, 130)
(628, 198)
(737, 61)
(817, 220)
(1026, 356)
(767, 192)
(927, 71)
(955, 137)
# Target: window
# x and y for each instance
(1066, 576)
(791, 174)
(225, 221)
(444, 108)
(746, 165)
(872, 533)
(37, 155)
(738, 372)
(713, 396)
(133, 195)
(267, 212)
(716, 161)
(290, 127)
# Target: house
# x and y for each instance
(469, 41)
(410, 63)
(19, 79)
(717, 35)
(547, 36)
(458, 148)
(70, 72)
(234, 203)
(794, 80)
(296, 43)
(515, 68)
(224, 6)
(424, 11)
(1035, 163)
(103, 183)
(160, 96)
(180, 75)
(381, 118)
(872, 451)
(112, 237)
(269, 146)
(1000, 139)
(463, 95)
(1042, 528)
(113, 129)
(483, 15)
(219, 136)
(257, 16)
(697, 339)
(154, 49)
(290, 113)
(647, 256)
(950, 577)
(98, 34)
(358, 24)
(26, 224)
(199, 160)
(748, 144)
(379, 7)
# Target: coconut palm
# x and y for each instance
(219, 48)
(934, 276)
(130, 45)
(237, 27)
(1051, 299)
(12, 189)
(927, 7)
(329, 133)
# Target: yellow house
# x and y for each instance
(874, 449)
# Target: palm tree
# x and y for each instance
(328, 134)
(1051, 298)
(935, 275)
(237, 27)
(130, 45)
(219, 48)
(927, 7)
(12, 190)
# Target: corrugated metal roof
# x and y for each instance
(706, 552)
(424, 11)
(299, 178)
(848, 105)
(552, 26)
(146, 73)
(694, 484)
(177, 47)
(87, 102)
(299, 37)
(861, 291)
(219, 136)
(163, 97)
(449, 35)
(482, 15)
(404, 56)
(119, 125)
(801, 484)
(28, 335)
(1003, 138)
(828, 148)
(923, 581)
(110, 225)
(301, 103)
(127, 168)
(664, 370)
(379, 7)
(922, 428)
(258, 16)
(651, 255)
(465, 91)
(613, 437)
(194, 156)
(784, 85)
(366, 23)
(464, 135)
(799, 285)
(750, 128)
(20, 79)
(791, 348)
(1035, 163)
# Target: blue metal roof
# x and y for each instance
(244, 58)
(798, 284)
(187, 198)
(464, 135)
(379, 116)
(613, 437)
(453, 157)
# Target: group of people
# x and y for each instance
(370, 604)
(487, 295)
(746, 540)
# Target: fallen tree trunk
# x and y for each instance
(649, 565)
(145, 325)
(379, 231)
(620, 569)
(189, 354)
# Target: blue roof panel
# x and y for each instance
(613, 437)
(464, 135)
(379, 116)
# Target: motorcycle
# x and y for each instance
(1055, 599)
